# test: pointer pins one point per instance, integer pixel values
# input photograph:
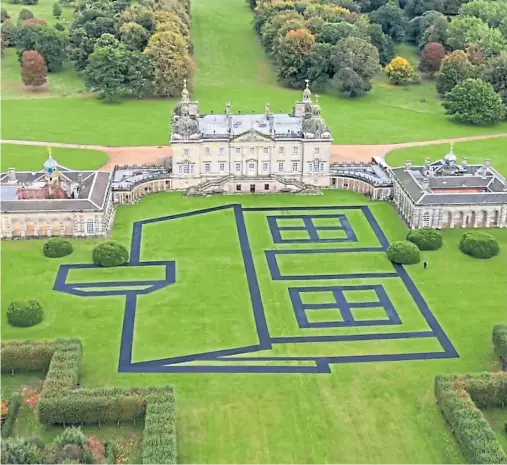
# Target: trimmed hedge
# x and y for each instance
(14, 404)
(479, 245)
(404, 253)
(23, 313)
(425, 238)
(62, 403)
(110, 253)
(111, 452)
(459, 398)
(500, 341)
(57, 247)
(159, 436)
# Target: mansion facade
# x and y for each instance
(248, 153)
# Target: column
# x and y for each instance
(477, 220)
(22, 227)
(36, 227)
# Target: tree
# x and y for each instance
(474, 101)
(431, 58)
(9, 33)
(24, 14)
(467, 29)
(57, 10)
(331, 33)
(320, 67)
(415, 8)
(417, 26)
(496, 75)
(4, 15)
(437, 32)
(454, 68)
(134, 36)
(392, 20)
(349, 84)
(19, 450)
(270, 29)
(400, 71)
(293, 57)
(30, 2)
(34, 71)
(170, 62)
(382, 42)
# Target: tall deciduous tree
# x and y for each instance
(134, 36)
(392, 20)
(415, 8)
(400, 71)
(170, 62)
(34, 71)
(467, 29)
(431, 58)
(454, 68)
(437, 32)
(293, 57)
(474, 101)
(496, 74)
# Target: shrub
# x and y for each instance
(425, 238)
(9, 33)
(400, 71)
(34, 71)
(499, 341)
(24, 14)
(459, 398)
(4, 15)
(110, 253)
(57, 10)
(71, 436)
(404, 253)
(18, 450)
(24, 313)
(479, 245)
(71, 453)
(111, 452)
(57, 247)
(59, 27)
(14, 404)
(30, 2)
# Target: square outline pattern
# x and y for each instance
(343, 306)
(311, 229)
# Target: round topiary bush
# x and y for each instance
(425, 238)
(24, 313)
(404, 253)
(110, 253)
(57, 247)
(479, 245)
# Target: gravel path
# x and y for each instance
(155, 154)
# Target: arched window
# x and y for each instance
(426, 219)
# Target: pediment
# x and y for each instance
(252, 136)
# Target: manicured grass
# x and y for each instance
(231, 66)
(32, 158)
(476, 152)
(44, 10)
(360, 413)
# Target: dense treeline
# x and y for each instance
(141, 50)
(336, 46)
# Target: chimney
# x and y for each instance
(487, 162)
(11, 173)
(464, 162)
(267, 110)
(408, 165)
(227, 109)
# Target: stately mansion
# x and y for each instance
(249, 153)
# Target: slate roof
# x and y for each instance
(492, 182)
(91, 197)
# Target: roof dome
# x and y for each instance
(315, 126)
(450, 158)
(50, 163)
(185, 126)
(307, 94)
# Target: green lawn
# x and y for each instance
(475, 151)
(231, 66)
(360, 413)
(32, 158)
(44, 10)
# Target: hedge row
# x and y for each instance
(14, 404)
(62, 403)
(159, 436)
(459, 398)
(111, 452)
(500, 341)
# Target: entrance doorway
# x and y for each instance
(333, 182)
(252, 188)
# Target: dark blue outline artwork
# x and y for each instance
(246, 355)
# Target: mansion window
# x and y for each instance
(252, 150)
(426, 219)
(280, 166)
(251, 167)
(207, 167)
(185, 168)
(266, 149)
(238, 187)
(222, 167)
(295, 150)
(185, 151)
(266, 187)
(238, 167)
(322, 167)
(294, 166)
(222, 150)
(280, 150)
(317, 150)
(310, 167)
(238, 150)
(90, 227)
(206, 150)
(264, 166)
